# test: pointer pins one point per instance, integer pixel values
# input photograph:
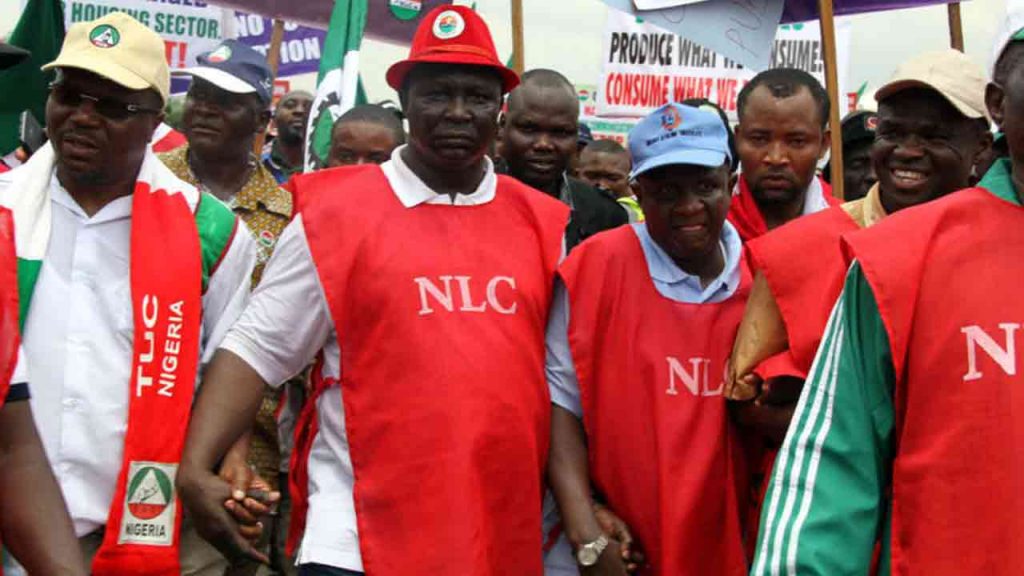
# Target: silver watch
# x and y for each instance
(587, 554)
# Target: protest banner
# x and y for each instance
(301, 47)
(645, 67)
(188, 28)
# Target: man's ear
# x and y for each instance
(994, 96)
(263, 121)
(157, 120)
(826, 143)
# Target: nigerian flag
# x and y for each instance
(338, 86)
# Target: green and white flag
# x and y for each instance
(338, 85)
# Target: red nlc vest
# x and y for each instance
(805, 269)
(440, 313)
(947, 277)
(662, 448)
(9, 334)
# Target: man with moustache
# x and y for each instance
(907, 426)
(782, 134)
(538, 141)
(128, 278)
(427, 285)
(284, 159)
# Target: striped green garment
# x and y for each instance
(826, 505)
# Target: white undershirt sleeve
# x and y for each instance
(287, 320)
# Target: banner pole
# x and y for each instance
(828, 41)
(273, 59)
(956, 26)
(518, 58)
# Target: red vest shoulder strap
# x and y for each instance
(893, 254)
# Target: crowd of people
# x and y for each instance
(479, 342)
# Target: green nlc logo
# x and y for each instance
(405, 9)
(149, 493)
(104, 36)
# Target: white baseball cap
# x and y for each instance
(957, 78)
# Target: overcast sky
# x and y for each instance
(566, 35)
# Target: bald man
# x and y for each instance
(538, 140)
(290, 119)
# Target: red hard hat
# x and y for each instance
(452, 35)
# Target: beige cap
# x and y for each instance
(119, 48)
(956, 77)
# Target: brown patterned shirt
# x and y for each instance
(266, 209)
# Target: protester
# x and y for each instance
(906, 428)
(782, 134)
(226, 108)
(366, 134)
(285, 157)
(657, 445)
(858, 135)
(129, 279)
(932, 131)
(606, 164)
(36, 530)
(445, 317)
(538, 140)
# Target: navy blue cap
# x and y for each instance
(586, 136)
(678, 134)
(234, 67)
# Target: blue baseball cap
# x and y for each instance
(234, 67)
(678, 134)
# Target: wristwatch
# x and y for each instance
(587, 554)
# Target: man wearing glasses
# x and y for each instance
(128, 280)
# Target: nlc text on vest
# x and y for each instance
(462, 300)
(696, 380)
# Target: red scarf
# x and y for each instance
(746, 216)
(9, 338)
(142, 534)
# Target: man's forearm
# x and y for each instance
(34, 522)
(569, 477)
(226, 408)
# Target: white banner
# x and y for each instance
(645, 67)
(188, 28)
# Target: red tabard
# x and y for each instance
(662, 448)
(947, 279)
(440, 312)
(805, 269)
(9, 337)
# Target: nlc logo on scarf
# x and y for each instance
(149, 505)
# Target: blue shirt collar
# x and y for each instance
(678, 285)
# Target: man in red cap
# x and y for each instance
(425, 442)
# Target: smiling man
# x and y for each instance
(782, 134)
(932, 130)
(908, 432)
(129, 278)
(424, 444)
(538, 141)
(636, 382)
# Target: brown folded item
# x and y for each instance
(761, 335)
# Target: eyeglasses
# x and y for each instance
(108, 108)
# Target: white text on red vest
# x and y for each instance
(1005, 357)
(462, 299)
(696, 380)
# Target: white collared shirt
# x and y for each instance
(286, 324)
(78, 341)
